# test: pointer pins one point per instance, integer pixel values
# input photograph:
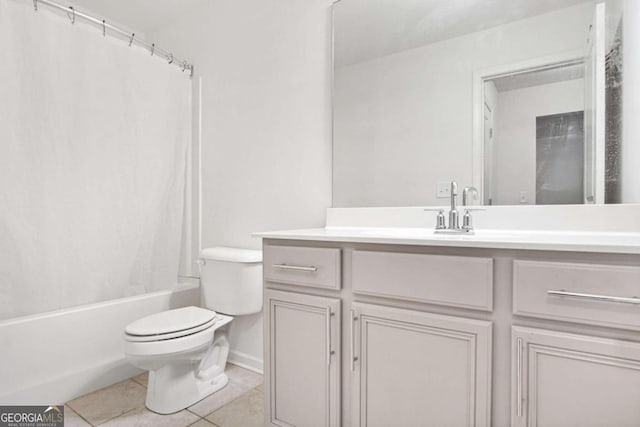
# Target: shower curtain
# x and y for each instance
(93, 140)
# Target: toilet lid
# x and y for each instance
(170, 321)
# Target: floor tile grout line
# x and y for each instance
(197, 415)
(231, 401)
(118, 416)
(201, 419)
(80, 416)
(131, 380)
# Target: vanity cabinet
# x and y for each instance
(376, 334)
(562, 379)
(302, 344)
(411, 368)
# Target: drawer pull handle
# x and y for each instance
(607, 298)
(352, 343)
(295, 267)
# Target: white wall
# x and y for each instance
(514, 145)
(404, 121)
(266, 129)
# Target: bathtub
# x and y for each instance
(53, 357)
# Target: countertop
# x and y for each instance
(602, 242)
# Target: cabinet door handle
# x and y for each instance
(353, 338)
(519, 376)
(295, 267)
(328, 336)
(595, 297)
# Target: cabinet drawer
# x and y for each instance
(585, 293)
(316, 267)
(446, 280)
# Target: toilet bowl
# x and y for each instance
(185, 350)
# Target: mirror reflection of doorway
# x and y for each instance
(517, 107)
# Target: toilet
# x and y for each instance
(185, 350)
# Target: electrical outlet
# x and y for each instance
(523, 197)
(443, 191)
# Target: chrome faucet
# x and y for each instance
(454, 215)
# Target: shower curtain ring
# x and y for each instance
(131, 38)
(35, 5)
(170, 58)
(153, 48)
(72, 16)
(104, 28)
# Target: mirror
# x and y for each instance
(529, 101)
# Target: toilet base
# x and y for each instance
(179, 385)
(181, 395)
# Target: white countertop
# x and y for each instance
(605, 242)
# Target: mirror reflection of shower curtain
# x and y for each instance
(560, 159)
(93, 139)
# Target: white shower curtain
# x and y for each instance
(93, 139)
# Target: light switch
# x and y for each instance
(443, 190)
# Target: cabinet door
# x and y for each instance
(419, 369)
(302, 363)
(561, 379)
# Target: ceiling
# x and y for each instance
(367, 29)
(142, 16)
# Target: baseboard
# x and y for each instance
(246, 361)
(67, 387)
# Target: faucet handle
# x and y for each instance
(440, 219)
(467, 223)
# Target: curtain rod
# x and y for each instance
(72, 13)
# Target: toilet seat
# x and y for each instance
(170, 335)
(152, 346)
(171, 324)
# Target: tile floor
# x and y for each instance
(238, 404)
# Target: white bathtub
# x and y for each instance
(51, 358)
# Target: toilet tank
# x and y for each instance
(231, 280)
